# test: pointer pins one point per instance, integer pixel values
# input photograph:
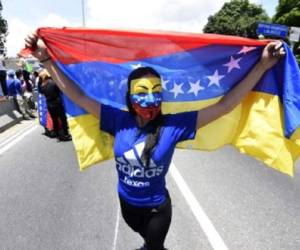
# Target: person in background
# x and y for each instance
(29, 104)
(48, 88)
(2, 97)
(3, 75)
(26, 70)
(35, 79)
(42, 109)
(14, 91)
(27, 81)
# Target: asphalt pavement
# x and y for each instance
(230, 200)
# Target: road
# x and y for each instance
(221, 200)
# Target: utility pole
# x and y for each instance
(83, 12)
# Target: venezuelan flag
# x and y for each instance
(197, 70)
(43, 114)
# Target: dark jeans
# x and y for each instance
(57, 112)
(151, 223)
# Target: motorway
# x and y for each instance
(221, 200)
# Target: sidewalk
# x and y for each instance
(9, 116)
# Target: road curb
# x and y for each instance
(9, 116)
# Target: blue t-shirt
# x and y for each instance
(138, 185)
(13, 87)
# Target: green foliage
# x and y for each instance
(237, 17)
(3, 31)
(298, 58)
(288, 13)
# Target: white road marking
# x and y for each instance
(208, 228)
(11, 141)
(116, 229)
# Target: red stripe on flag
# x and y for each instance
(70, 45)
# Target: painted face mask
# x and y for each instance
(147, 106)
(146, 97)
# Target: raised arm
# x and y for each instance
(67, 86)
(270, 56)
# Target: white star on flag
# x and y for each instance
(215, 79)
(136, 66)
(232, 64)
(195, 87)
(177, 89)
(164, 83)
(246, 49)
(123, 82)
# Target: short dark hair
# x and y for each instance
(142, 71)
(19, 73)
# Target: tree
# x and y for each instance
(288, 13)
(3, 31)
(237, 17)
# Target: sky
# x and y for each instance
(24, 16)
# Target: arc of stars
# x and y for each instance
(215, 79)
(177, 89)
(195, 87)
(232, 64)
(136, 66)
(164, 83)
(246, 49)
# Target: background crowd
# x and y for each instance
(24, 85)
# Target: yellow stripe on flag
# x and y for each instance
(91, 144)
(255, 128)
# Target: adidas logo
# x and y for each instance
(131, 165)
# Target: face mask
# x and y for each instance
(146, 96)
(146, 105)
(145, 85)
